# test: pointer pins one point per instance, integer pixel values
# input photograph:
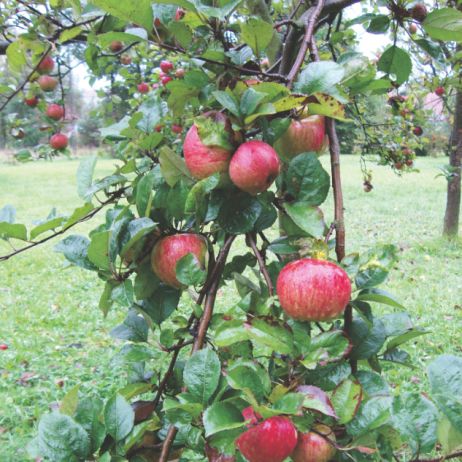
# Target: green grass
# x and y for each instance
(49, 314)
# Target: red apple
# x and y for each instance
(412, 28)
(272, 440)
(155, 86)
(158, 128)
(47, 83)
(253, 417)
(440, 91)
(204, 160)
(179, 73)
(170, 249)
(180, 12)
(166, 66)
(116, 46)
(55, 111)
(254, 167)
(164, 80)
(177, 128)
(46, 65)
(312, 447)
(59, 141)
(419, 12)
(409, 162)
(306, 135)
(213, 455)
(313, 290)
(417, 131)
(32, 101)
(125, 59)
(3, 346)
(143, 87)
(398, 165)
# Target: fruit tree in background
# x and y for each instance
(229, 107)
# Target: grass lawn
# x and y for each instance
(57, 337)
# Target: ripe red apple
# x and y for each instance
(164, 80)
(313, 290)
(46, 65)
(419, 12)
(47, 83)
(312, 447)
(306, 135)
(417, 131)
(398, 165)
(203, 160)
(254, 167)
(143, 87)
(177, 128)
(125, 59)
(168, 250)
(412, 28)
(32, 101)
(3, 346)
(409, 162)
(440, 91)
(272, 440)
(116, 46)
(166, 66)
(180, 12)
(179, 73)
(59, 141)
(55, 111)
(158, 127)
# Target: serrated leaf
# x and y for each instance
(319, 77)
(257, 34)
(272, 336)
(317, 400)
(221, 416)
(119, 417)
(75, 249)
(134, 328)
(85, 175)
(346, 399)
(172, 166)
(444, 24)
(397, 62)
(189, 271)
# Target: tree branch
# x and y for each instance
(261, 263)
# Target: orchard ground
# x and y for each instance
(57, 336)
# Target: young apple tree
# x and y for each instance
(252, 331)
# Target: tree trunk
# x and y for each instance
(451, 217)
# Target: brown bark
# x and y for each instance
(452, 214)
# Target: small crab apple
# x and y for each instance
(409, 162)
(315, 446)
(3, 346)
(55, 111)
(59, 141)
(166, 66)
(46, 65)
(116, 46)
(32, 101)
(164, 80)
(125, 59)
(398, 165)
(419, 12)
(254, 166)
(47, 83)
(170, 249)
(179, 14)
(440, 91)
(412, 28)
(272, 440)
(313, 290)
(203, 160)
(158, 127)
(417, 131)
(176, 128)
(143, 87)
(179, 73)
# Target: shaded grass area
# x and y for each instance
(57, 337)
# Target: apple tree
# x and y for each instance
(251, 333)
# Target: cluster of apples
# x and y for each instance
(54, 111)
(165, 76)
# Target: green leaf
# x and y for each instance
(395, 61)
(317, 400)
(445, 376)
(113, 132)
(105, 183)
(228, 101)
(70, 401)
(69, 34)
(444, 24)
(379, 24)
(416, 418)
(161, 304)
(290, 403)
(189, 271)
(373, 384)
(60, 438)
(85, 175)
(122, 294)
(448, 436)
(136, 230)
(307, 180)
(98, 250)
(75, 249)
(326, 347)
(47, 225)
(119, 417)
(181, 412)
(134, 328)
(308, 218)
(432, 48)
(221, 416)
(257, 34)
(78, 214)
(239, 215)
(346, 399)
(202, 374)
(250, 100)
(367, 339)
(229, 333)
(273, 336)
(16, 56)
(247, 375)
(196, 201)
(172, 166)
(13, 231)
(372, 415)
(378, 296)
(139, 12)
(320, 77)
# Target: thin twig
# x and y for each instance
(261, 263)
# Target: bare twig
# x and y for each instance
(261, 263)
(454, 455)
